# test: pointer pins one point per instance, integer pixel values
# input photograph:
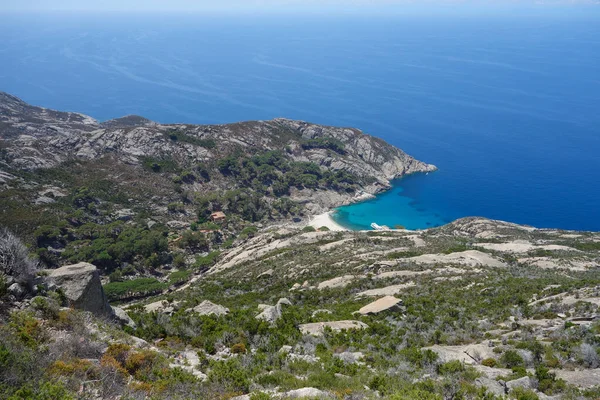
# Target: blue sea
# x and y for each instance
(507, 106)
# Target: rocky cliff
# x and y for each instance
(34, 137)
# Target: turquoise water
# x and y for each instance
(398, 207)
(507, 106)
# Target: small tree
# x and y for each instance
(14, 259)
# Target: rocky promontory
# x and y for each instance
(34, 138)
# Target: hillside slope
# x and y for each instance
(477, 309)
(135, 198)
(255, 304)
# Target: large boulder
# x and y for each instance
(121, 317)
(493, 386)
(17, 290)
(387, 303)
(163, 307)
(272, 313)
(210, 308)
(82, 287)
(524, 382)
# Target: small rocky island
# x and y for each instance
(141, 260)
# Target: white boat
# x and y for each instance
(380, 227)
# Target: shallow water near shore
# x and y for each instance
(403, 206)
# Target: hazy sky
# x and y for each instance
(280, 5)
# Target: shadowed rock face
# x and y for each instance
(82, 287)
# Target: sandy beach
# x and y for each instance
(325, 219)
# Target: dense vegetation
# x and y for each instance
(273, 170)
(117, 227)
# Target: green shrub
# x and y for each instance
(46, 234)
(230, 375)
(133, 288)
(520, 393)
(204, 262)
(193, 241)
(164, 164)
(45, 391)
(248, 231)
(238, 348)
(178, 277)
(587, 246)
(83, 369)
(451, 367)
(420, 357)
(456, 249)
(535, 347)
(175, 207)
(489, 362)
(139, 364)
(118, 351)
(260, 396)
(28, 330)
(325, 143)
(109, 246)
(48, 308)
(415, 394)
(179, 261)
(187, 177)
(203, 172)
(511, 359)
(177, 136)
(116, 276)
(308, 229)
(402, 254)
(547, 382)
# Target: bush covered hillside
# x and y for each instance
(137, 199)
(477, 309)
(148, 261)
